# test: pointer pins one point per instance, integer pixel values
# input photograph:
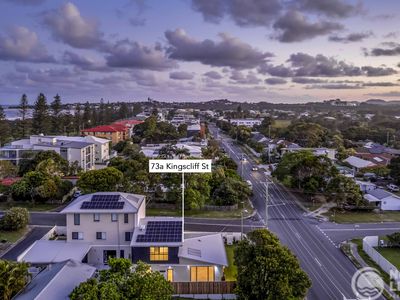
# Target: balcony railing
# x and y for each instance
(217, 287)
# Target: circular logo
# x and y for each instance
(367, 283)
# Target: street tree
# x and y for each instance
(267, 270)
(14, 219)
(103, 180)
(23, 124)
(40, 118)
(344, 191)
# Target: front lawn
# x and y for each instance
(12, 236)
(391, 254)
(363, 217)
(231, 270)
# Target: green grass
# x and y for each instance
(12, 236)
(281, 123)
(231, 270)
(391, 254)
(363, 217)
(29, 206)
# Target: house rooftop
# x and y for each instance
(56, 281)
(106, 128)
(358, 162)
(116, 202)
(379, 193)
(207, 249)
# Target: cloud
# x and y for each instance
(335, 86)
(244, 13)
(27, 2)
(279, 71)
(213, 75)
(249, 78)
(383, 84)
(388, 94)
(305, 80)
(229, 52)
(21, 44)
(275, 81)
(129, 54)
(393, 51)
(331, 8)
(181, 75)
(82, 61)
(378, 71)
(67, 25)
(137, 21)
(295, 27)
(350, 38)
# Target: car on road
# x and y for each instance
(393, 188)
(249, 184)
(243, 158)
(254, 168)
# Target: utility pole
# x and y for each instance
(266, 185)
(183, 206)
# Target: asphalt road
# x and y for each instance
(35, 234)
(329, 269)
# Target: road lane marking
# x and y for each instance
(316, 259)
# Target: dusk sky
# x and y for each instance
(182, 50)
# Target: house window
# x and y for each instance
(158, 253)
(96, 217)
(205, 273)
(122, 253)
(126, 218)
(77, 219)
(128, 236)
(100, 235)
(77, 235)
(170, 275)
(114, 217)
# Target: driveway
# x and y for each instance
(35, 234)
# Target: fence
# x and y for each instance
(369, 242)
(219, 287)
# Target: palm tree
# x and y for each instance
(13, 277)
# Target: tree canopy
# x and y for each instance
(13, 277)
(103, 180)
(268, 270)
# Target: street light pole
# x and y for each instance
(183, 206)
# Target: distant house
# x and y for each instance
(115, 133)
(358, 163)
(377, 153)
(330, 153)
(245, 122)
(383, 199)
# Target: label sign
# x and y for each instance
(180, 165)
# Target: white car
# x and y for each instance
(393, 187)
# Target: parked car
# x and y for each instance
(249, 184)
(77, 194)
(393, 187)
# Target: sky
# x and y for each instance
(281, 51)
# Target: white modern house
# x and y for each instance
(328, 152)
(113, 224)
(382, 199)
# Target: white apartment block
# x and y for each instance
(245, 122)
(87, 151)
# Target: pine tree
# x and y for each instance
(78, 118)
(102, 111)
(123, 111)
(4, 128)
(23, 124)
(56, 120)
(40, 120)
(86, 115)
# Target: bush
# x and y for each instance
(14, 219)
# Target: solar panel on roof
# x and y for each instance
(102, 205)
(161, 232)
(101, 198)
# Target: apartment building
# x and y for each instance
(72, 150)
(113, 224)
(245, 122)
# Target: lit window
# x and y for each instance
(96, 217)
(202, 274)
(158, 253)
(114, 217)
(170, 275)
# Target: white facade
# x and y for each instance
(245, 122)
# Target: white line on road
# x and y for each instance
(318, 262)
(360, 229)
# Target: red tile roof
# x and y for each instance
(106, 128)
(9, 181)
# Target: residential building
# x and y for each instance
(382, 199)
(330, 153)
(245, 122)
(130, 124)
(73, 150)
(56, 281)
(115, 133)
(358, 163)
(112, 224)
